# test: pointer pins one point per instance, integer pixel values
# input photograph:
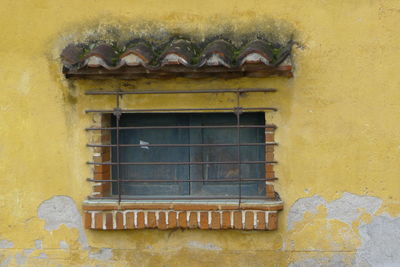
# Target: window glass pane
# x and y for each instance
(204, 172)
(230, 153)
(147, 153)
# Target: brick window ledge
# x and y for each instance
(216, 215)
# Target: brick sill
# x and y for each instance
(184, 214)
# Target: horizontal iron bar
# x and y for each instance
(181, 127)
(176, 110)
(179, 198)
(261, 90)
(184, 145)
(182, 163)
(182, 181)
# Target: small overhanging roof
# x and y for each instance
(177, 58)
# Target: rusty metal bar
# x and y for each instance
(238, 112)
(117, 114)
(181, 127)
(184, 145)
(181, 163)
(248, 90)
(177, 110)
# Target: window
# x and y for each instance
(190, 155)
(199, 168)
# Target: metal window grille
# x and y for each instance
(238, 110)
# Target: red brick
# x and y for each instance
(269, 156)
(237, 220)
(119, 218)
(98, 219)
(97, 188)
(215, 220)
(97, 159)
(270, 191)
(109, 221)
(204, 220)
(182, 219)
(270, 174)
(193, 220)
(88, 220)
(151, 220)
(172, 223)
(269, 137)
(129, 220)
(260, 225)
(269, 167)
(106, 156)
(101, 168)
(272, 220)
(226, 220)
(161, 223)
(249, 222)
(140, 220)
(105, 138)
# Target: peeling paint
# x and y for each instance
(6, 244)
(38, 244)
(64, 245)
(346, 208)
(5, 262)
(60, 210)
(301, 206)
(350, 206)
(42, 256)
(103, 255)
(20, 259)
(380, 242)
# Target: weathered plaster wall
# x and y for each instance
(338, 132)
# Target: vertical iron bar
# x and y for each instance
(117, 114)
(238, 111)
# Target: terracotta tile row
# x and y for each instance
(179, 56)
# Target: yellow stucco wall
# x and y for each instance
(338, 131)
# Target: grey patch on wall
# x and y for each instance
(336, 261)
(28, 251)
(301, 206)
(64, 245)
(20, 259)
(6, 261)
(380, 242)
(60, 210)
(206, 246)
(346, 209)
(38, 244)
(103, 255)
(42, 256)
(6, 244)
(350, 206)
